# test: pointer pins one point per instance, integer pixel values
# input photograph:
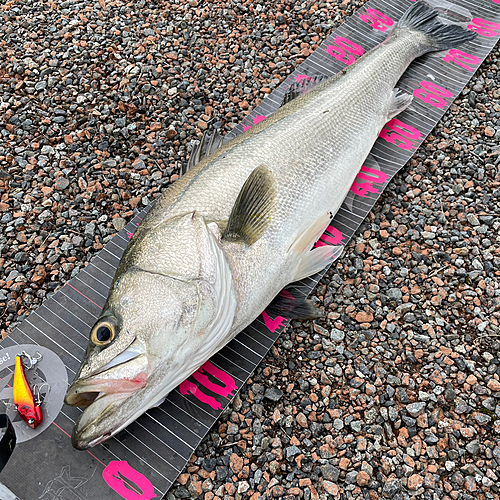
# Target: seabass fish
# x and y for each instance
(221, 243)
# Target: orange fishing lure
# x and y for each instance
(29, 409)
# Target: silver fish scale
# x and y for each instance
(314, 146)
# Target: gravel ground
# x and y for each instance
(396, 392)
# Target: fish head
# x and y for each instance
(170, 307)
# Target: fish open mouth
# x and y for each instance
(115, 379)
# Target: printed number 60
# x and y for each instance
(376, 19)
(432, 94)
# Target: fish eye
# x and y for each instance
(103, 332)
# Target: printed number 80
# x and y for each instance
(483, 27)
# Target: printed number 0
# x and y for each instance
(432, 94)
(376, 19)
(483, 27)
(343, 45)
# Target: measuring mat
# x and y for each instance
(144, 460)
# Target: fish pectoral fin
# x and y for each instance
(210, 142)
(252, 212)
(400, 101)
(292, 304)
(316, 260)
(301, 87)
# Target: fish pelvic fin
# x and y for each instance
(308, 260)
(305, 240)
(292, 304)
(420, 17)
(400, 101)
(316, 260)
(252, 212)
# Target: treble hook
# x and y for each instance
(37, 390)
(33, 360)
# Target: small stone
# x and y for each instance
(330, 472)
(119, 223)
(450, 395)
(392, 487)
(273, 394)
(415, 409)
(482, 419)
(291, 451)
(337, 335)
(364, 317)
(41, 85)
(494, 385)
(330, 488)
(473, 447)
(415, 482)
(363, 479)
(62, 183)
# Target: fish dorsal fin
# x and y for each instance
(210, 142)
(292, 304)
(252, 212)
(301, 87)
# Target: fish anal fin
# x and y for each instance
(400, 101)
(316, 260)
(291, 304)
(209, 143)
(252, 212)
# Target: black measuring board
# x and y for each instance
(143, 461)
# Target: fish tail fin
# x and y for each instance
(420, 17)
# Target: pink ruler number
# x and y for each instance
(364, 181)
(432, 94)
(376, 19)
(462, 59)
(344, 50)
(326, 239)
(401, 134)
(224, 390)
(483, 27)
(256, 120)
(127, 482)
